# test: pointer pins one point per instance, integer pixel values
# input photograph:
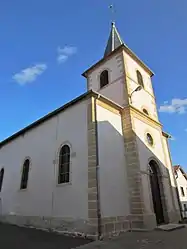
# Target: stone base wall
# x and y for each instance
(174, 216)
(149, 221)
(110, 226)
(70, 226)
(114, 225)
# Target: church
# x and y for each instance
(99, 164)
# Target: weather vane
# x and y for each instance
(112, 9)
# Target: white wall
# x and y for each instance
(41, 144)
(171, 172)
(181, 182)
(113, 179)
(115, 89)
(145, 97)
(147, 196)
(146, 152)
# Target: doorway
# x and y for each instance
(155, 190)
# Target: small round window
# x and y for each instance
(149, 139)
(146, 112)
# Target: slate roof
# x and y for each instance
(114, 44)
(114, 40)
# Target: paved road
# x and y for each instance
(144, 240)
(13, 237)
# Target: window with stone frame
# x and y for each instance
(64, 165)
(150, 139)
(1, 178)
(104, 79)
(25, 174)
(139, 78)
(182, 191)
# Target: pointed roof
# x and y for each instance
(114, 44)
(114, 40)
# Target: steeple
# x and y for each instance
(114, 40)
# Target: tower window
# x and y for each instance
(1, 178)
(145, 111)
(25, 174)
(150, 139)
(64, 164)
(104, 78)
(139, 78)
(182, 191)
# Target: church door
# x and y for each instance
(155, 189)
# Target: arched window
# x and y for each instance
(64, 164)
(145, 111)
(25, 174)
(1, 178)
(104, 78)
(139, 78)
(150, 139)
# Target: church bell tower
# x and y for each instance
(122, 77)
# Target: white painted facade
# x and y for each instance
(44, 196)
(181, 180)
(171, 171)
(115, 89)
(45, 200)
(122, 70)
(113, 178)
(146, 153)
(142, 123)
(144, 98)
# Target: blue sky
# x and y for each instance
(36, 36)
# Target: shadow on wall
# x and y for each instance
(158, 195)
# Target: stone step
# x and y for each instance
(169, 227)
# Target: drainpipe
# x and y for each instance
(97, 170)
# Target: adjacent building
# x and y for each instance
(181, 179)
(100, 163)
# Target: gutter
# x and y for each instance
(99, 230)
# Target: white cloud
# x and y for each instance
(177, 106)
(65, 52)
(29, 74)
(68, 50)
(62, 58)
